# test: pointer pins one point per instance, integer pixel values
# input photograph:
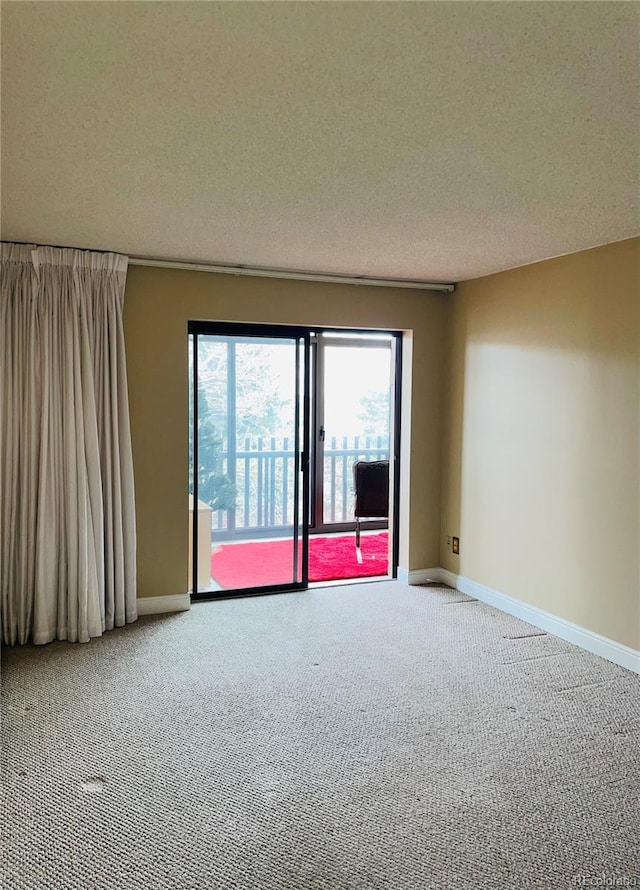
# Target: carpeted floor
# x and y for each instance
(374, 736)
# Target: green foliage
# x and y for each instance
(259, 409)
(242, 378)
(214, 486)
(374, 414)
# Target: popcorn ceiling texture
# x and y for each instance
(372, 737)
(425, 140)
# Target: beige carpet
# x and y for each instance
(372, 736)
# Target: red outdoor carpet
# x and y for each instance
(333, 558)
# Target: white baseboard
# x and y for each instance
(157, 605)
(418, 576)
(625, 656)
(447, 577)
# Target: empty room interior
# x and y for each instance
(320, 445)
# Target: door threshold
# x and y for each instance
(342, 582)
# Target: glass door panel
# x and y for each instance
(357, 406)
(251, 482)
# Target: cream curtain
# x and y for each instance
(67, 519)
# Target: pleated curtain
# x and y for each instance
(67, 515)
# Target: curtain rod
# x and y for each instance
(267, 272)
(294, 274)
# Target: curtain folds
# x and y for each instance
(67, 516)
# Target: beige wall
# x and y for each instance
(542, 437)
(158, 304)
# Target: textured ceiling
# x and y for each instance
(422, 140)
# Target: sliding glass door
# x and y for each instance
(354, 419)
(249, 473)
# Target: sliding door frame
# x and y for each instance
(301, 456)
(396, 356)
(306, 450)
(362, 339)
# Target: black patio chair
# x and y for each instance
(371, 487)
